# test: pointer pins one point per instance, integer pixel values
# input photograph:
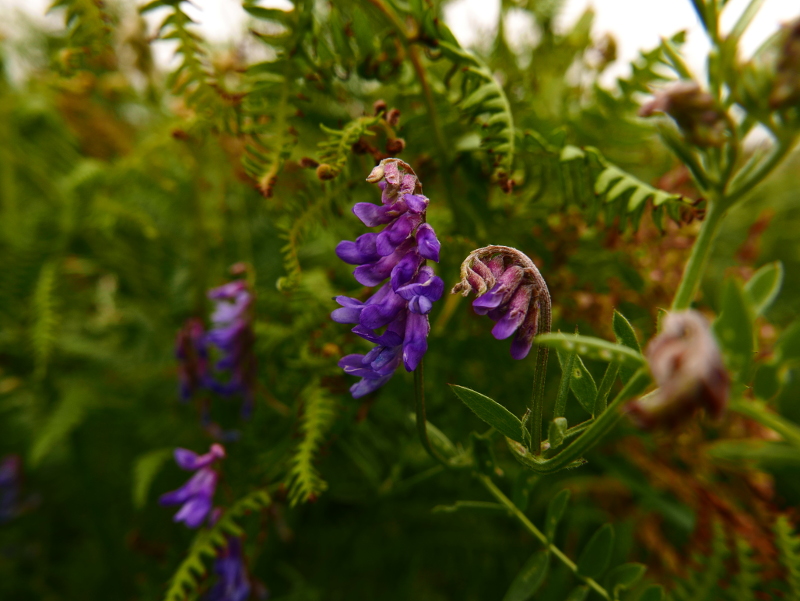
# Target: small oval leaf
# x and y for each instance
(596, 555)
(652, 593)
(594, 348)
(625, 576)
(626, 336)
(578, 594)
(764, 286)
(555, 511)
(493, 413)
(529, 578)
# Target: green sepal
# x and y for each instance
(493, 413)
(556, 432)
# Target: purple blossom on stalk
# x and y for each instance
(192, 355)
(232, 333)
(510, 291)
(233, 583)
(399, 252)
(10, 476)
(196, 495)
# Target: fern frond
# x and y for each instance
(743, 584)
(788, 544)
(304, 480)
(485, 101)
(209, 542)
(68, 414)
(703, 583)
(335, 150)
(88, 28)
(45, 318)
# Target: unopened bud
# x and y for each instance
(393, 117)
(379, 107)
(308, 163)
(325, 172)
(687, 367)
(786, 89)
(695, 111)
(395, 145)
(376, 174)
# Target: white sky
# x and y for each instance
(636, 24)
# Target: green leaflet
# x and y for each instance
(145, 470)
(596, 555)
(763, 288)
(529, 578)
(734, 330)
(555, 511)
(625, 334)
(581, 383)
(494, 414)
(336, 149)
(625, 576)
(594, 348)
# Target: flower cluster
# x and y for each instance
(687, 367)
(511, 291)
(399, 253)
(196, 495)
(232, 335)
(233, 583)
(10, 475)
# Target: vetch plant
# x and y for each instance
(196, 497)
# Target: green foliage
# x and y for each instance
(45, 317)
(788, 544)
(209, 542)
(491, 412)
(319, 411)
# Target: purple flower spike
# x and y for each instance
(195, 497)
(402, 304)
(233, 583)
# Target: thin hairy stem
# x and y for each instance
(422, 422)
(538, 534)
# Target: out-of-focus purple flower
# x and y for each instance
(232, 333)
(510, 291)
(398, 253)
(233, 581)
(10, 476)
(196, 496)
(192, 355)
(687, 366)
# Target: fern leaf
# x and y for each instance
(788, 544)
(336, 148)
(304, 480)
(68, 414)
(702, 584)
(45, 318)
(209, 542)
(743, 585)
(88, 30)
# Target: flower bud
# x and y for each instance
(687, 367)
(695, 111)
(786, 88)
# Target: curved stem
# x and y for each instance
(538, 534)
(422, 422)
(701, 250)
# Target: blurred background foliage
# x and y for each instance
(128, 190)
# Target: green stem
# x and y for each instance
(698, 259)
(422, 422)
(759, 412)
(538, 534)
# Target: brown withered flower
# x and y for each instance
(786, 89)
(696, 112)
(687, 367)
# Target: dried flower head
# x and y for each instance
(687, 367)
(511, 291)
(696, 112)
(786, 88)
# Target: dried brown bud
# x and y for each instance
(687, 367)
(395, 145)
(379, 107)
(308, 163)
(696, 112)
(393, 117)
(325, 172)
(361, 147)
(786, 88)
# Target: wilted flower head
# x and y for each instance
(10, 476)
(399, 252)
(687, 367)
(696, 112)
(233, 583)
(192, 355)
(786, 89)
(196, 495)
(511, 291)
(233, 335)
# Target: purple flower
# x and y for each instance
(400, 307)
(196, 495)
(192, 355)
(233, 583)
(510, 291)
(232, 334)
(10, 476)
